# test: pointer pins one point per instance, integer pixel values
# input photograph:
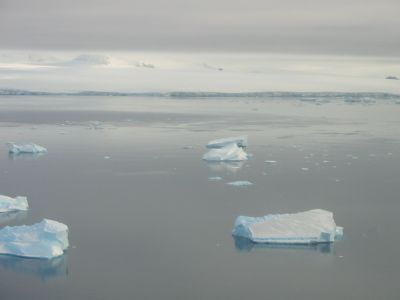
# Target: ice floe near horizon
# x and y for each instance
(240, 141)
(25, 148)
(309, 227)
(215, 178)
(240, 183)
(8, 204)
(230, 152)
(46, 239)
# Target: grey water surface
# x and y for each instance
(126, 175)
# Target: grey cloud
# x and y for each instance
(352, 27)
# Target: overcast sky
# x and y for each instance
(349, 27)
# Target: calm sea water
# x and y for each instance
(146, 223)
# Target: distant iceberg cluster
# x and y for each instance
(47, 239)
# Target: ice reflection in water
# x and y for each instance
(43, 269)
(246, 245)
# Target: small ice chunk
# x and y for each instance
(270, 161)
(240, 141)
(107, 157)
(215, 178)
(95, 125)
(25, 148)
(240, 183)
(13, 204)
(230, 152)
(309, 227)
(46, 239)
(305, 169)
(187, 147)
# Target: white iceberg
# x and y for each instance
(309, 227)
(270, 161)
(240, 141)
(46, 239)
(8, 204)
(215, 178)
(25, 148)
(240, 183)
(230, 152)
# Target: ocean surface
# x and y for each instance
(126, 175)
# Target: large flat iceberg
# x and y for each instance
(25, 148)
(309, 227)
(8, 204)
(46, 239)
(230, 152)
(240, 141)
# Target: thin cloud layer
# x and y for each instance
(351, 27)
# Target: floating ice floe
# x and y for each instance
(230, 152)
(240, 141)
(270, 161)
(8, 204)
(309, 227)
(25, 148)
(215, 178)
(240, 183)
(46, 239)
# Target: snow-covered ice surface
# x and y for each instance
(25, 148)
(8, 204)
(309, 227)
(230, 152)
(46, 239)
(240, 141)
(240, 183)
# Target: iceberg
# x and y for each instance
(240, 141)
(240, 183)
(25, 148)
(8, 204)
(46, 239)
(215, 178)
(309, 227)
(230, 152)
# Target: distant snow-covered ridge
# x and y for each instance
(308, 95)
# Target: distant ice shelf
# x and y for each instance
(309, 227)
(46, 239)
